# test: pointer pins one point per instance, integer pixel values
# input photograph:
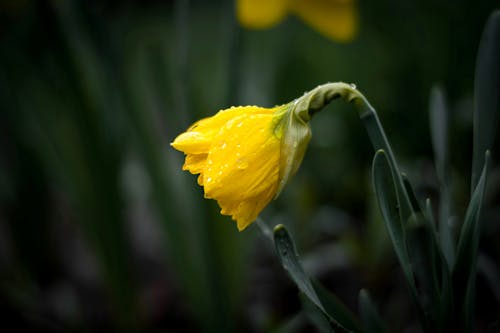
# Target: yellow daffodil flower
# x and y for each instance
(336, 19)
(245, 155)
(238, 154)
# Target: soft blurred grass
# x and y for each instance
(90, 91)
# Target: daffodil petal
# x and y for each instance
(192, 143)
(200, 179)
(260, 14)
(198, 138)
(249, 210)
(242, 166)
(243, 156)
(195, 163)
(245, 212)
(336, 19)
(211, 125)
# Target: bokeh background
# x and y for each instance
(100, 230)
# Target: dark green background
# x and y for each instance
(101, 230)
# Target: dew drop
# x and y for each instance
(239, 124)
(353, 86)
(241, 164)
(223, 145)
(209, 179)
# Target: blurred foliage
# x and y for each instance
(99, 227)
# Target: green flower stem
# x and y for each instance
(379, 140)
(316, 99)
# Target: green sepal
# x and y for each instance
(296, 134)
(294, 125)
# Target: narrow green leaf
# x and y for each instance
(443, 274)
(290, 261)
(446, 232)
(438, 115)
(467, 243)
(445, 315)
(370, 318)
(380, 142)
(317, 318)
(411, 194)
(336, 308)
(431, 272)
(388, 201)
(464, 272)
(289, 258)
(429, 213)
(486, 94)
(426, 265)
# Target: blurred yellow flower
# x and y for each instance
(336, 19)
(244, 156)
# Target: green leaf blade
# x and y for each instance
(486, 94)
(386, 190)
(334, 310)
(289, 258)
(438, 116)
(464, 270)
(389, 205)
(415, 205)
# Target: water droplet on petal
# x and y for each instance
(209, 179)
(223, 145)
(241, 163)
(239, 124)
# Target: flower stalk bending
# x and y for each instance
(244, 156)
